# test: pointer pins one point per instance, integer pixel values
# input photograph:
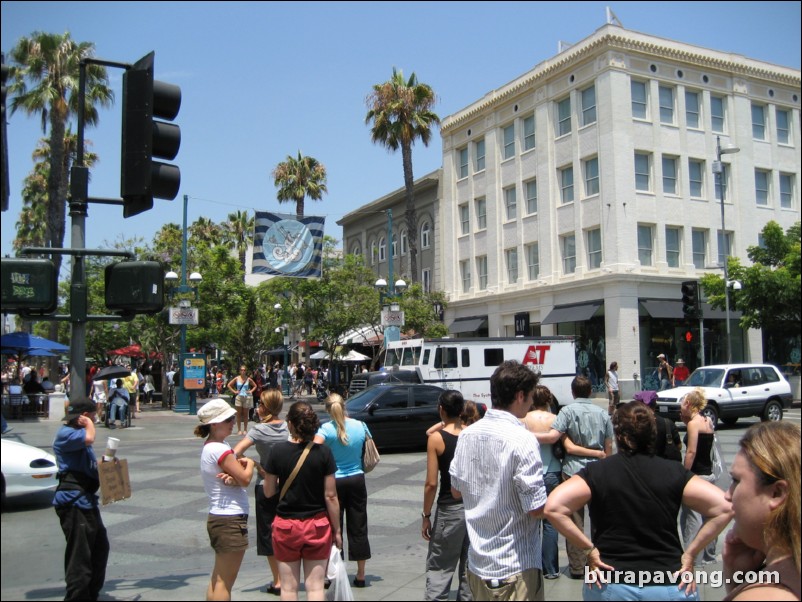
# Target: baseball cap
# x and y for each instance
(216, 410)
(78, 407)
(662, 355)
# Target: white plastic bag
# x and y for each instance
(337, 573)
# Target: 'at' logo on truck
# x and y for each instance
(536, 354)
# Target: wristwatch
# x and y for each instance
(424, 515)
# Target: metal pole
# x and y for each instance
(182, 404)
(391, 333)
(725, 250)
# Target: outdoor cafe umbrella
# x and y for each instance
(29, 353)
(111, 372)
(25, 342)
(134, 351)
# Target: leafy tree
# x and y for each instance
(205, 232)
(401, 112)
(771, 286)
(419, 316)
(298, 178)
(238, 233)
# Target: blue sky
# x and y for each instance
(264, 80)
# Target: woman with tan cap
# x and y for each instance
(224, 478)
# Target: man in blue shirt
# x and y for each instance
(76, 503)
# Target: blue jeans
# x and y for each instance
(620, 591)
(117, 409)
(549, 547)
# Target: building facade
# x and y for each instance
(577, 198)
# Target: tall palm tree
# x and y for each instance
(298, 178)
(238, 232)
(401, 112)
(206, 232)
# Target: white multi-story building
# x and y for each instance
(577, 198)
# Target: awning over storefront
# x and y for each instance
(463, 325)
(572, 313)
(672, 310)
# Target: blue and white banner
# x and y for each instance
(284, 245)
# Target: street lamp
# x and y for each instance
(718, 169)
(182, 315)
(285, 381)
(392, 316)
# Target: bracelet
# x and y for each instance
(587, 551)
(424, 515)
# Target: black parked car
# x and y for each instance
(397, 414)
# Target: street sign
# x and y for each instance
(193, 371)
(392, 318)
(184, 315)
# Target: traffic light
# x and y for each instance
(144, 138)
(691, 306)
(135, 287)
(28, 286)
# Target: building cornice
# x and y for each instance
(612, 37)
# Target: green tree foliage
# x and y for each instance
(297, 178)
(419, 316)
(771, 286)
(401, 113)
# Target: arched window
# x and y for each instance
(374, 251)
(382, 249)
(425, 235)
(404, 242)
(395, 246)
(357, 250)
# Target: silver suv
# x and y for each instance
(733, 391)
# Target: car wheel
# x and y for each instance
(730, 420)
(773, 411)
(711, 412)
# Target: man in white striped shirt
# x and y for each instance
(498, 472)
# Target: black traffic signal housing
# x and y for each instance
(691, 305)
(144, 138)
(28, 286)
(135, 287)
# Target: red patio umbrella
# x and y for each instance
(134, 351)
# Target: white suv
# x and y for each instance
(733, 391)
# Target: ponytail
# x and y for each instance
(336, 409)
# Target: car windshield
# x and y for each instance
(705, 377)
(362, 399)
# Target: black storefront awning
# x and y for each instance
(572, 313)
(463, 325)
(672, 310)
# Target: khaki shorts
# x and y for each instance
(243, 401)
(521, 586)
(228, 533)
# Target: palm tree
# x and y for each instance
(401, 112)
(206, 232)
(238, 232)
(50, 63)
(298, 178)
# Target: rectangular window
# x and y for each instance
(699, 243)
(639, 105)
(645, 245)
(724, 246)
(511, 203)
(465, 218)
(529, 132)
(786, 190)
(463, 162)
(564, 117)
(762, 187)
(594, 249)
(481, 269)
(692, 110)
(758, 122)
(465, 273)
(669, 175)
(481, 214)
(723, 179)
(530, 189)
(592, 176)
(673, 240)
(642, 172)
(567, 184)
(589, 105)
(479, 147)
(426, 278)
(532, 261)
(718, 108)
(666, 96)
(511, 257)
(568, 244)
(783, 127)
(509, 141)
(696, 171)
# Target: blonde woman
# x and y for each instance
(699, 441)
(224, 479)
(765, 495)
(268, 432)
(346, 437)
(241, 386)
